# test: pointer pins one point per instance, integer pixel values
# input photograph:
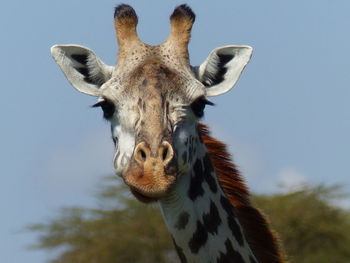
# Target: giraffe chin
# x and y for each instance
(142, 198)
(150, 197)
(149, 187)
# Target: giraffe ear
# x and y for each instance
(221, 70)
(83, 69)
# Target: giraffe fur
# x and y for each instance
(194, 215)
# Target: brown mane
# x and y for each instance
(262, 240)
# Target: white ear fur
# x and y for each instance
(83, 69)
(221, 70)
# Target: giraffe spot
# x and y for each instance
(231, 219)
(208, 170)
(195, 190)
(182, 220)
(236, 230)
(184, 157)
(179, 252)
(231, 255)
(191, 150)
(208, 167)
(252, 260)
(212, 219)
(199, 238)
(211, 182)
(226, 205)
(186, 142)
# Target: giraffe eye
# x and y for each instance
(198, 106)
(107, 107)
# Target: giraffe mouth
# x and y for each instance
(148, 194)
(141, 197)
(151, 190)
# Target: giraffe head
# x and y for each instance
(153, 97)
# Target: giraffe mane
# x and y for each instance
(263, 241)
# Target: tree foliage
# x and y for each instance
(121, 229)
(312, 228)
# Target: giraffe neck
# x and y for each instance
(201, 220)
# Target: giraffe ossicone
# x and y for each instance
(154, 99)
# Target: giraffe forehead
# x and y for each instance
(153, 81)
(142, 54)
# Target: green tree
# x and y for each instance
(312, 228)
(121, 229)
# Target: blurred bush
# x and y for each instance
(120, 229)
(313, 229)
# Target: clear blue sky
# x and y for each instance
(287, 121)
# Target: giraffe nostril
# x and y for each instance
(165, 153)
(142, 154)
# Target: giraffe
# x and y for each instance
(154, 100)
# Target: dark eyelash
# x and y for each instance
(107, 107)
(198, 106)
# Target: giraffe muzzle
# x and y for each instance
(153, 171)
